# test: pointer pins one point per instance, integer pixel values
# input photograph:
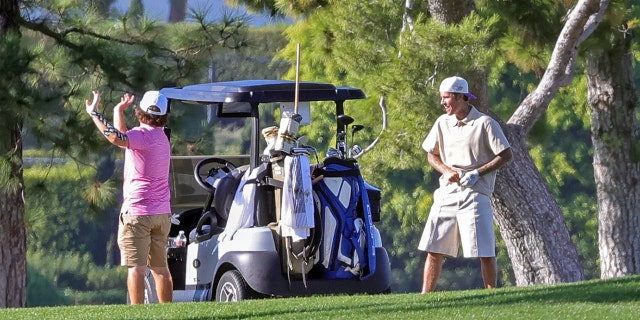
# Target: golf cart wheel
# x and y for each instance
(232, 287)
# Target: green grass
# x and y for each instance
(610, 299)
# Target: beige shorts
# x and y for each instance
(143, 239)
(460, 217)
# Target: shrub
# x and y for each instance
(41, 291)
(72, 278)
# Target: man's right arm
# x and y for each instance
(436, 162)
(110, 132)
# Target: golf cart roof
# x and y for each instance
(239, 97)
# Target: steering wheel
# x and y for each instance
(221, 164)
(212, 218)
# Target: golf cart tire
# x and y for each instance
(232, 287)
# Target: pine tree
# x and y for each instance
(50, 65)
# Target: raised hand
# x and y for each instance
(91, 105)
(125, 101)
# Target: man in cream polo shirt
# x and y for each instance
(144, 222)
(467, 147)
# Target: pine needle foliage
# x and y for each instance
(68, 48)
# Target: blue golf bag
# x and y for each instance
(347, 249)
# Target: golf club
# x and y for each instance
(343, 121)
(355, 128)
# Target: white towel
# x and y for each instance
(242, 207)
(297, 198)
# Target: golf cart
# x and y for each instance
(270, 223)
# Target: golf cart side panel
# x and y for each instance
(379, 282)
(269, 279)
(197, 273)
(260, 269)
(248, 239)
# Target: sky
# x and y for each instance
(159, 10)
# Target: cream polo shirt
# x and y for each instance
(146, 172)
(466, 145)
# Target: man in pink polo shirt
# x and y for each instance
(145, 222)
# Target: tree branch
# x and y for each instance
(581, 23)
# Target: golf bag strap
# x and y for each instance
(356, 245)
(259, 175)
(269, 181)
(303, 261)
(341, 173)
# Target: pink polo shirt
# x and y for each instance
(146, 172)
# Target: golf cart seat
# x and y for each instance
(214, 216)
(226, 191)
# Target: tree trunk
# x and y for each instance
(616, 160)
(531, 221)
(450, 11)
(178, 10)
(13, 257)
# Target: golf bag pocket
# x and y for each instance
(344, 242)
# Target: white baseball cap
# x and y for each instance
(457, 85)
(153, 102)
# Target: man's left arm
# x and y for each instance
(471, 177)
(497, 162)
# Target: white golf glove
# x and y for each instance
(470, 178)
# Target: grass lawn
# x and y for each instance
(596, 299)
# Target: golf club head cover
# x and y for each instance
(287, 132)
(470, 178)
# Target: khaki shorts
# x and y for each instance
(460, 217)
(142, 239)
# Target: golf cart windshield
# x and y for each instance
(224, 120)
